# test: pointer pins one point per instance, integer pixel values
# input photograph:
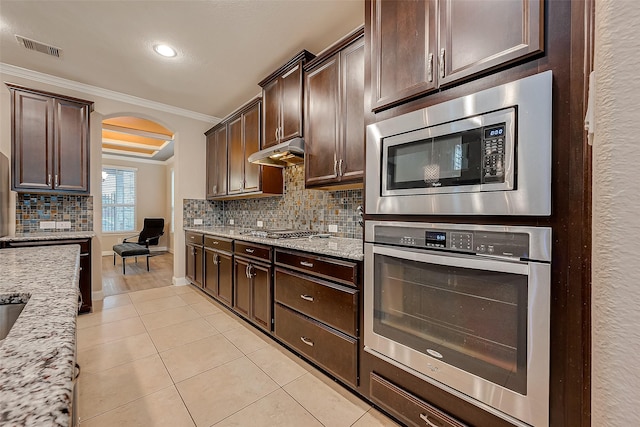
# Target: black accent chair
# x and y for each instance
(151, 231)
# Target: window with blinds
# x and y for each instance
(118, 199)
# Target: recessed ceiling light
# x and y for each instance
(164, 50)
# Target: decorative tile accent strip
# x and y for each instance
(33, 208)
(298, 208)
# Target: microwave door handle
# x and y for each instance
(454, 260)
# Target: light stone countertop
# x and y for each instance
(53, 235)
(37, 358)
(333, 246)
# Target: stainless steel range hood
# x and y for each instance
(285, 154)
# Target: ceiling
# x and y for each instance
(136, 137)
(225, 47)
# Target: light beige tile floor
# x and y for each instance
(173, 357)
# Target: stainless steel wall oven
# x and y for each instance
(488, 153)
(465, 307)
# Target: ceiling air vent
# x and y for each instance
(39, 47)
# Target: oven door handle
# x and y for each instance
(452, 260)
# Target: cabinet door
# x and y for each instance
(32, 141)
(85, 280)
(261, 295)
(476, 36)
(322, 111)
(242, 287)
(271, 113)
(71, 144)
(403, 54)
(251, 128)
(236, 156)
(221, 162)
(291, 123)
(190, 266)
(225, 279)
(198, 262)
(211, 272)
(352, 94)
(212, 174)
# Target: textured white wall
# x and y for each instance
(616, 217)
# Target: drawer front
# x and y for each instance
(406, 407)
(332, 304)
(341, 271)
(253, 250)
(218, 243)
(194, 238)
(330, 349)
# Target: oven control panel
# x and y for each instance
(497, 243)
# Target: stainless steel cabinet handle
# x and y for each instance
(276, 133)
(249, 251)
(441, 64)
(215, 242)
(246, 271)
(307, 341)
(335, 167)
(250, 271)
(49, 180)
(306, 297)
(56, 183)
(215, 259)
(340, 166)
(426, 420)
(306, 264)
(430, 67)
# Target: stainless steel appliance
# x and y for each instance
(466, 308)
(4, 195)
(488, 153)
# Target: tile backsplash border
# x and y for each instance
(33, 208)
(298, 208)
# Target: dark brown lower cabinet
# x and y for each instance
(218, 269)
(407, 407)
(329, 348)
(252, 291)
(85, 264)
(194, 267)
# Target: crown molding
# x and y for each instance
(136, 159)
(37, 76)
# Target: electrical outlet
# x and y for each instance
(260, 223)
(231, 222)
(333, 228)
(63, 225)
(47, 225)
(197, 221)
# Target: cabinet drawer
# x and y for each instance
(194, 238)
(218, 243)
(332, 304)
(408, 408)
(253, 250)
(341, 271)
(332, 350)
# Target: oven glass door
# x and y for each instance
(472, 154)
(468, 313)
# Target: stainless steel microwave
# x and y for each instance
(488, 153)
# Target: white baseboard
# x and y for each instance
(154, 249)
(179, 281)
(97, 296)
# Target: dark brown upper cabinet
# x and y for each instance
(217, 161)
(235, 139)
(50, 142)
(418, 46)
(334, 115)
(282, 93)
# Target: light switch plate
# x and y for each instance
(47, 225)
(63, 225)
(231, 222)
(333, 228)
(197, 221)
(260, 223)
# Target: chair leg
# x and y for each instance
(123, 272)
(114, 258)
(147, 262)
(136, 260)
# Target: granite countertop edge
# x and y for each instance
(340, 247)
(37, 358)
(59, 235)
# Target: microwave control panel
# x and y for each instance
(493, 145)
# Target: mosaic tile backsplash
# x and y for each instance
(33, 208)
(298, 208)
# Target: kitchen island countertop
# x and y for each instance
(54, 235)
(333, 246)
(37, 358)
